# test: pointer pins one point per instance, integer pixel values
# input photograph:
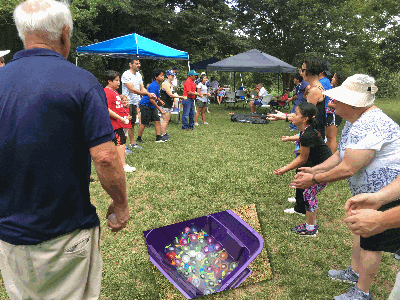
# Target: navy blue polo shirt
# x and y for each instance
(52, 112)
(154, 88)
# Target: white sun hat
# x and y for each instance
(4, 52)
(357, 90)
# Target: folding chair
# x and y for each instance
(239, 95)
(230, 98)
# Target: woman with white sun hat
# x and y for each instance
(368, 156)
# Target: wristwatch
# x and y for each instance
(313, 180)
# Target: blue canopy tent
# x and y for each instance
(132, 45)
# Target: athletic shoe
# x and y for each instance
(136, 146)
(292, 199)
(346, 275)
(128, 168)
(139, 141)
(127, 151)
(196, 124)
(299, 227)
(354, 294)
(292, 211)
(205, 123)
(160, 140)
(165, 138)
(306, 232)
(167, 135)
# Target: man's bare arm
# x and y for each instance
(112, 178)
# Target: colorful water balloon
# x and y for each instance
(217, 247)
(223, 255)
(192, 253)
(185, 258)
(210, 240)
(187, 229)
(224, 267)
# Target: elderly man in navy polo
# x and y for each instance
(54, 119)
(189, 91)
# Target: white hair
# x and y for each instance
(44, 16)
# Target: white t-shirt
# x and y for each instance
(262, 92)
(203, 89)
(376, 131)
(137, 80)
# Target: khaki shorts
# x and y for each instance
(66, 267)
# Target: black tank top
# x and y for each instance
(169, 101)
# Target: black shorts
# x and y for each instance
(148, 114)
(120, 138)
(133, 113)
(332, 118)
(387, 241)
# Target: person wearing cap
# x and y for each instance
(167, 95)
(258, 100)
(189, 91)
(368, 156)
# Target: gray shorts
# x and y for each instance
(201, 104)
(167, 110)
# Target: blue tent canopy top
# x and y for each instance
(133, 45)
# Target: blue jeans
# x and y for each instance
(188, 111)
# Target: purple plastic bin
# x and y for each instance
(241, 242)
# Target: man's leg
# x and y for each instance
(369, 266)
(131, 134)
(185, 114)
(252, 107)
(191, 114)
(157, 125)
(50, 269)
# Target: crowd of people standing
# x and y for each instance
(47, 147)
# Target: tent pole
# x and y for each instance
(76, 63)
(234, 81)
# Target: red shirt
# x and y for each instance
(115, 104)
(189, 86)
(126, 114)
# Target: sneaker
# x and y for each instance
(127, 151)
(299, 227)
(196, 124)
(160, 140)
(292, 211)
(167, 135)
(354, 294)
(165, 138)
(292, 199)
(139, 141)
(306, 232)
(136, 146)
(205, 123)
(128, 168)
(346, 275)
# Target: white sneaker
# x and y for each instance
(196, 124)
(128, 168)
(292, 211)
(292, 199)
(205, 123)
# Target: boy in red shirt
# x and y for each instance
(116, 112)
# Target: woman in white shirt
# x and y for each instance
(202, 101)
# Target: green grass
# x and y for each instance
(223, 166)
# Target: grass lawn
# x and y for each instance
(224, 166)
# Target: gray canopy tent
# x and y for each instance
(252, 61)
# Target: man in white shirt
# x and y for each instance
(258, 100)
(133, 88)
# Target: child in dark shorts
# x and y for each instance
(314, 151)
(116, 112)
